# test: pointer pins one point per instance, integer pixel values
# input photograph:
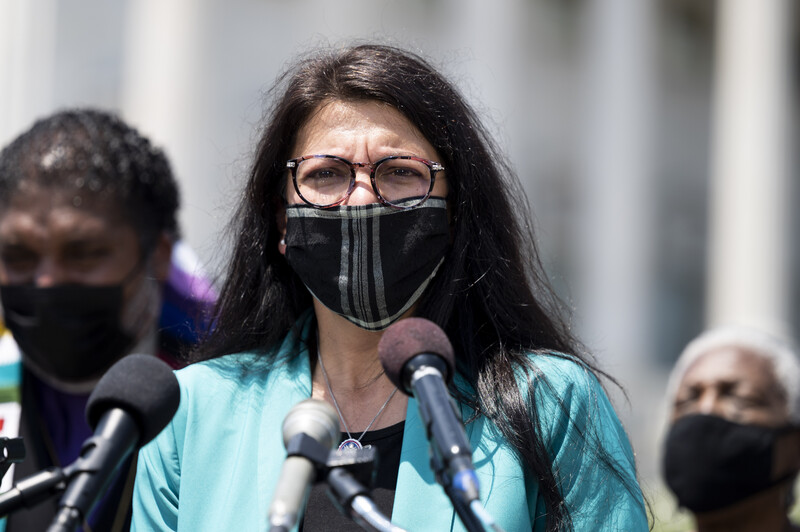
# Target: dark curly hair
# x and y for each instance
(95, 152)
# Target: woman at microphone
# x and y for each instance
(374, 195)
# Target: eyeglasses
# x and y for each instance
(327, 180)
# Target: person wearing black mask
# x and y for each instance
(732, 450)
(374, 195)
(87, 275)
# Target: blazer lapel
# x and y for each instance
(286, 385)
(420, 503)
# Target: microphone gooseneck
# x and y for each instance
(131, 404)
(353, 500)
(312, 424)
(418, 358)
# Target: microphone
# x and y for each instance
(310, 431)
(130, 405)
(418, 358)
(353, 500)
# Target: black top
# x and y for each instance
(321, 514)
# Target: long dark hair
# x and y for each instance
(491, 296)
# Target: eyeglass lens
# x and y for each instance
(324, 181)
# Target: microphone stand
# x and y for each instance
(471, 522)
(86, 479)
(451, 456)
(12, 451)
(353, 500)
(344, 472)
(304, 446)
(31, 491)
(347, 473)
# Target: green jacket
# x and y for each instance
(216, 465)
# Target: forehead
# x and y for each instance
(733, 364)
(339, 127)
(45, 212)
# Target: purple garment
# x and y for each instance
(64, 416)
(187, 305)
(63, 413)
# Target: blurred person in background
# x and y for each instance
(91, 269)
(732, 450)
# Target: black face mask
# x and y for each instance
(71, 332)
(367, 263)
(710, 462)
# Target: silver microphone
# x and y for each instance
(317, 420)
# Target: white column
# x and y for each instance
(27, 63)
(495, 82)
(615, 180)
(165, 95)
(616, 206)
(748, 278)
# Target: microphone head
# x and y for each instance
(405, 339)
(144, 387)
(316, 419)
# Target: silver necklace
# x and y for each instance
(350, 442)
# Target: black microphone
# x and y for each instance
(353, 500)
(418, 358)
(131, 404)
(310, 431)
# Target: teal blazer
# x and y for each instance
(216, 464)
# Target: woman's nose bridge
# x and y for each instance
(362, 194)
(363, 168)
(363, 182)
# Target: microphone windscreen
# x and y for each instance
(316, 419)
(144, 387)
(409, 337)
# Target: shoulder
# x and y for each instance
(217, 396)
(586, 439)
(566, 394)
(217, 371)
(557, 379)
(249, 369)
(232, 384)
(560, 369)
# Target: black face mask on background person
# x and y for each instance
(71, 332)
(368, 263)
(711, 463)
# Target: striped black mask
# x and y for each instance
(368, 263)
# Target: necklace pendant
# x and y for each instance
(350, 444)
